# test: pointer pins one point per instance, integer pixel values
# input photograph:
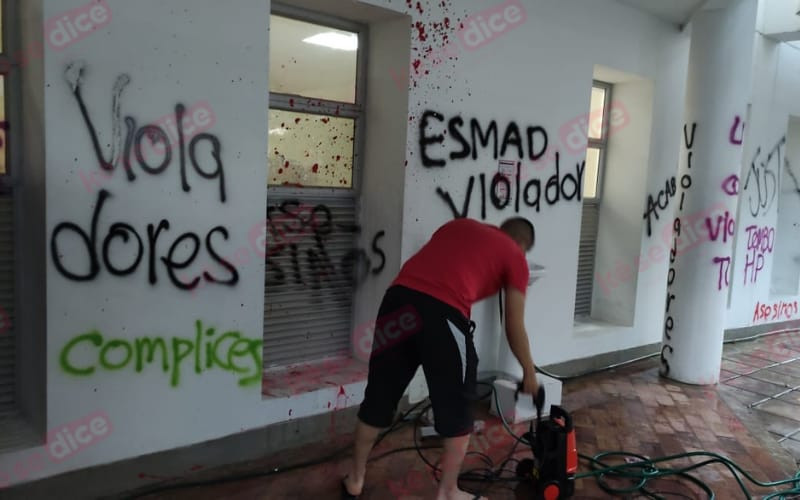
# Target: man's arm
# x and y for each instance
(518, 338)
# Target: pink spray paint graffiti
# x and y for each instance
(734, 128)
(725, 224)
(724, 264)
(731, 185)
(760, 242)
(777, 311)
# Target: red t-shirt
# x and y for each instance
(465, 261)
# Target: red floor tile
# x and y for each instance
(630, 408)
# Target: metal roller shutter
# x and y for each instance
(311, 264)
(7, 337)
(588, 243)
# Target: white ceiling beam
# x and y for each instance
(781, 20)
(697, 8)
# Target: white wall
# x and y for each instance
(540, 74)
(776, 97)
(183, 52)
(786, 264)
(537, 74)
(779, 19)
(619, 233)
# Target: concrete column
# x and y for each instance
(705, 192)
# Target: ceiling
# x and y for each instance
(674, 11)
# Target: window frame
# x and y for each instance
(14, 58)
(602, 143)
(324, 107)
(12, 85)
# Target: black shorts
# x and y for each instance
(416, 329)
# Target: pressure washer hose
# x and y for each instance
(643, 469)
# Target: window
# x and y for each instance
(313, 109)
(315, 120)
(597, 133)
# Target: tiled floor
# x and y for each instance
(752, 417)
(764, 376)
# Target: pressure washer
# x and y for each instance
(552, 469)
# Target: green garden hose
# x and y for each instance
(643, 469)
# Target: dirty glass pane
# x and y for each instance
(590, 174)
(310, 150)
(312, 60)
(597, 113)
(3, 126)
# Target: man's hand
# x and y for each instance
(530, 385)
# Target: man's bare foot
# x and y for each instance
(456, 494)
(352, 481)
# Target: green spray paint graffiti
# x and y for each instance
(90, 352)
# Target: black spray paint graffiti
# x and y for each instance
(686, 183)
(764, 180)
(500, 190)
(134, 138)
(302, 242)
(792, 175)
(122, 232)
(661, 202)
(480, 137)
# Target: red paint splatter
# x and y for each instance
(405, 164)
(329, 404)
(291, 102)
(296, 121)
(421, 31)
(290, 412)
(286, 165)
(337, 111)
(314, 168)
(416, 64)
(338, 157)
(447, 23)
(419, 8)
(283, 124)
(325, 120)
(280, 170)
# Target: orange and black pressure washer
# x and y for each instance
(552, 469)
